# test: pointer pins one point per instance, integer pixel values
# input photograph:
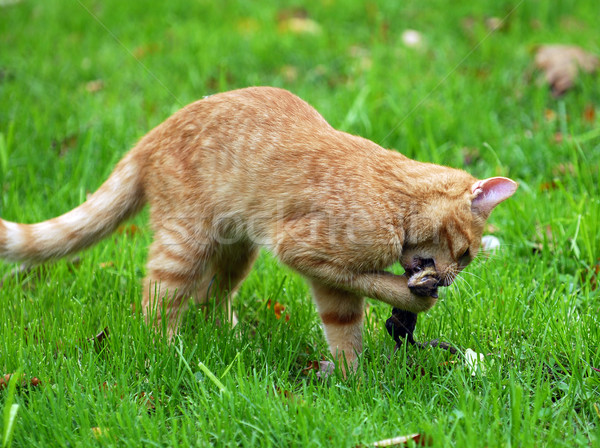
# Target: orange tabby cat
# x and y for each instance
(259, 167)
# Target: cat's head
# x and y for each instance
(446, 233)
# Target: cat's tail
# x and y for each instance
(121, 196)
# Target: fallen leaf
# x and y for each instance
(100, 338)
(418, 439)
(146, 400)
(312, 365)
(558, 137)
(591, 275)
(550, 115)
(289, 73)
(297, 21)
(128, 230)
(94, 86)
(561, 65)
(548, 186)
(106, 264)
(494, 23)
(278, 310)
(145, 49)
(99, 433)
(589, 113)
(297, 25)
(66, 144)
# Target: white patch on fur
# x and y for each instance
(14, 237)
(73, 218)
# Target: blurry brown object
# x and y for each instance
(561, 64)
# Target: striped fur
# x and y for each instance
(259, 168)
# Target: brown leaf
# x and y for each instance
(591, 275)
(550, 115)
(278, 309)
(100, 337)
(94, 86)
(589, 113)
(561, 65)
(312, 365)
(289, 73)
(300, 26)
(146, 400)
(296, 21)
(66, 144)
(548, 186)
(418, 439)
(494, 23)
(128, 230)
(145, 49)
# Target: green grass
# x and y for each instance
(468, 99)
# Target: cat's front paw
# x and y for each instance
(424, 283)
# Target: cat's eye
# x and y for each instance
(465, 258)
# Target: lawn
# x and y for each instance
(81, 81)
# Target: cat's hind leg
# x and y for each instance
(342, 315)
(176, 263)
(228, 268)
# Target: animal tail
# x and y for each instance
(120, 197)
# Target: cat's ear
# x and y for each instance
(488, 193)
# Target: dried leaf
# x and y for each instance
(312, 365)
(289, 73)
(94, 86)
(296, 25)
(100, 338)
(548, 186)
(591, 275)
(418, 439)
(66, 144)
(561, 65)
(99, 433)
(589, 113)
(296, 21)
(550, 115)
(494, 23)
(145, 49)
(128, 230)
(278, 309)
(146, 400)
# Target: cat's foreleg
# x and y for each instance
(342, 316)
